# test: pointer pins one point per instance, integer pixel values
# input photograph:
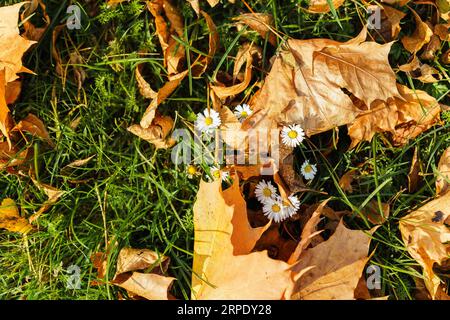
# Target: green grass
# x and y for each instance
(141, 198)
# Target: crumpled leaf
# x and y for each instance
(223, 92)
(404, 118)
(442, 31)
(420, 71)
(426, 237)
(305, 83)
(139, 271)
(261, 23)
(443, 177)
(166, 90)
(345, 182)
(53, 195)
(10, 218)
(308, 233)
(201, 64)
(429, 52)
(13, 45)
(32, 32)
(338, 265)
(156, 133)
(421, 36)
(174, 52)
(217, 272)
(390, 21)
(34, 126)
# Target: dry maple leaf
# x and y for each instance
(305, 83)
(404, 118)
(426, 237)
(338, 265)
(217, 272)
(10, 218)
(421, 36)
(13, 45)
(443, 178)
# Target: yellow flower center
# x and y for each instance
(276, 208)
(216, 174)
(292, 134)
(192, 170)
(208, 121)
(244, 114)
(267, 192)
(308, 168)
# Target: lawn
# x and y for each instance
(130, 194)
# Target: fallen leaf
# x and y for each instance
(138, 272)
(374, 214)
(34, 126)
(31, 32)
(223, 92)
(201, 64)
(390, 21)
(250, 276)
(429, 52)
(10, 218)
(13, 45)
(5, 117)
(156, 133)
(423, 72)
(12, 91)
(305, 83)
(421, 36)
(404, 118)
(323, 6)
(426, 238)
(131, 259)
(442, 31)
(345, 182)
(413, 174)
(309, 231)
(443, 173)
(338, 265)
(261, 23)
(166, 90)
(53, 194)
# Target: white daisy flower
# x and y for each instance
(217, 174)
(265, 191)
(192, 171)
(308, 170)
(292, 135)
(243, 112)
(207, 121)
(274, 209)
(292, 207)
